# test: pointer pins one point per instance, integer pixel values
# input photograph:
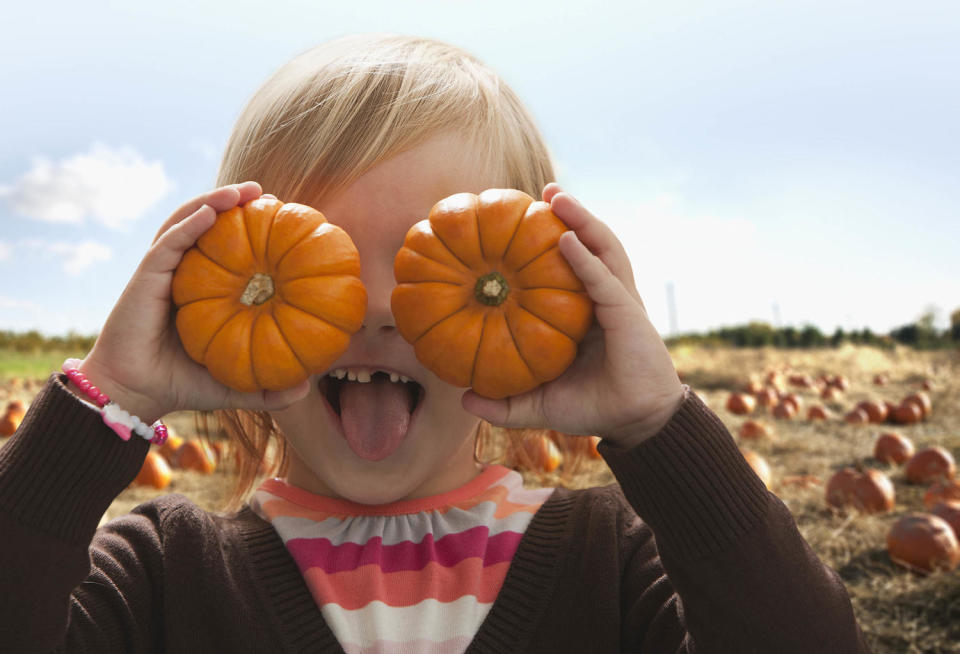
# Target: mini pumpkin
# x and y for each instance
(269, 295)
(484, 295)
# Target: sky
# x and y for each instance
(793, 162)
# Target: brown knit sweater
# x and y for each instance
(727, 570)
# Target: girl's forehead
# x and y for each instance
(401, 190)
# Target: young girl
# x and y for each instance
(396, 539)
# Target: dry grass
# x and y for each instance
(899, 611)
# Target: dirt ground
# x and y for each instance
(898, 610)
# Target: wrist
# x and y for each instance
(133, 403)
(632, 434)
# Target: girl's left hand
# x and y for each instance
(622, 385)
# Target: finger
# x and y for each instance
(516, 411)
(168, 250)
(603, 287)
(268, 400)
(597, 236)
(221, 199)
(549, 191)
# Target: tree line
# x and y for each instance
(920, 334)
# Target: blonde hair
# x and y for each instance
(335, 111)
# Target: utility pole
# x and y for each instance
(672, 309)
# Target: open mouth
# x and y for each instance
(332, 384)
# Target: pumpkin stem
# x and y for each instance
(491, 289)
(259, 290)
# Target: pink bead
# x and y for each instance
(159, 434)
(84, 385)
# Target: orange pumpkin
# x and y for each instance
(942, 491)
(12, 417)
(907, 413)
(767, 397)
(856, 417)
(893, 448)
(923, 542)
(194, 455)
(869, 491)
(155, 472)
(785, 411)
(169, 449)
(759, 465)
(817, 412)
(754, 430)
(269, 295)
(922, 400)
(741, 404)
(484, 295)
(930, 465)
(536, 452)
(949, 510)
(876, 411)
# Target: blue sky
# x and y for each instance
(797, 155)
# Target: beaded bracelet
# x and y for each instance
(114, 417)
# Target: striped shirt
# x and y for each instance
(412, 576)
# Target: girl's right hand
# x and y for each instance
(137, 359)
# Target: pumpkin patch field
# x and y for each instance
(860, 443)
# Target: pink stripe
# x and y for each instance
(451, 646)
(448, 551)
(356, 589)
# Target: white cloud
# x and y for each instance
(74, 258)
(111, 186)
(5, 251)
(14, 303)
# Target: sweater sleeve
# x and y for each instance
(61, 587)
(745, 578)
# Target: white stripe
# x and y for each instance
(429, 620)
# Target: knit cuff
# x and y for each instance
(62, 469)
(690, 482)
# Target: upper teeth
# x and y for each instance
(364, 374)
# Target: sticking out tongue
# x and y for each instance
(375, 416)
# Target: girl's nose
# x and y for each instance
(379, 288)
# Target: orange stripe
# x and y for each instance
(498, 494)
(354, 589)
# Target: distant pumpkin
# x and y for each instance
(929, 465)
(484, 295)
(924, 543)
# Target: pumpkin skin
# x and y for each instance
(869, 491)
(893, 448)
(930, 465)
(154, 472)
(759, 465)
(269, 295)
(536, 452)
(923, 542)
(194, 455)
(741, 404)
(942, 491)
(484, 295)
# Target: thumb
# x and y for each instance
(270, 400)
(516, 411)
